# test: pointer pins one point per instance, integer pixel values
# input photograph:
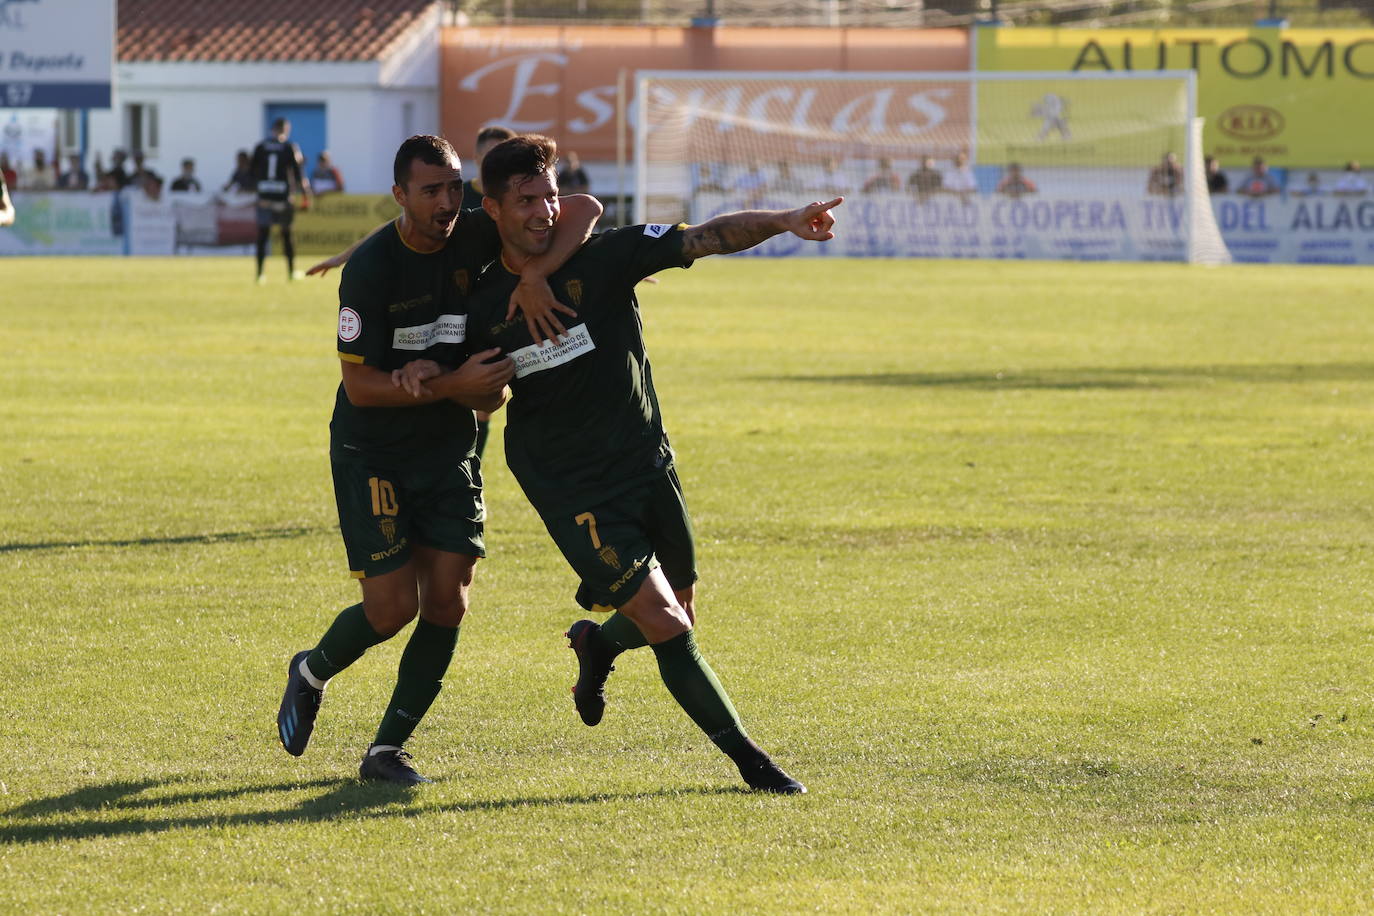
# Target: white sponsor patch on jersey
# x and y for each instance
(447, 329)
(350, 325)
(535, 358)
(657, 230)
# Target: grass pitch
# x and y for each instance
(1051, 581)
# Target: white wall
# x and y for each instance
(208, 111)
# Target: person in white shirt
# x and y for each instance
(1351, 183)
(835, 181)
(960, 180)
(41, 177)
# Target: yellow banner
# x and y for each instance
(335, 221)
(1298, 97)
(1062, 122)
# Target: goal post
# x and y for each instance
(1084, 166)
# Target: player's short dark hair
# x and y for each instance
(279, 125)
(525, 156)
(430, 150)
(494, 133)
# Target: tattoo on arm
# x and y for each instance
(731, 232)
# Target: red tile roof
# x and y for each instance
(258, 30)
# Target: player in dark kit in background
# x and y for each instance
(277, 168)
(487, 138)
(407, 483)
(585, 438)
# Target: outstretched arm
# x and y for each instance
(731, 232)
(578, 216)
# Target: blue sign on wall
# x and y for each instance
(50, 58)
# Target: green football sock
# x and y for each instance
(693, 684)
(423, 663)
(348, 637)
(620, 634)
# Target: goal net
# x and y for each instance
(1090, 166)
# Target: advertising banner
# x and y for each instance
(335, 221)
(50, 223)
(749, 118)
(54, 55)
(210, 223)
(1298, 97)
(1069, 227)
(1296, 230)
(1097, 123)
(563, 81)
(1066, 227)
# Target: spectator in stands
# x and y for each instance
(105, 179)
(1259, 183)
(1217, 182)
(960, 179)
(40, 176)
(784, 182)
(926, 180)
(1166, 178)
(241, 181)
(75, 178)
(751, 185)
(835, 181)
(572, 178)
(143, 176)
(187, 180)
(704, 182)
(151, 185)
(1014, 183)
(117, 178)
(1351, 183)
(1313, 188)
(7, 171)
(885, 179)
(325, 177)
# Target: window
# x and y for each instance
(140, 127)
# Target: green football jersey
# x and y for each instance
(396, 305)
(583, 423)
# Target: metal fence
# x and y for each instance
(915, 13)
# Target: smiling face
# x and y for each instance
(525, 215)
(429, 203)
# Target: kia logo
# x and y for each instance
(1251, 122)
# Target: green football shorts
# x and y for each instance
(386, 507)
(614, 545)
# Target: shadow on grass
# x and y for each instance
(122, 808)
(1118, 377)
(222, 537)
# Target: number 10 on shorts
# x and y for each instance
(383, 496)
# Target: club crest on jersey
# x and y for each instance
(574, 291)
(388, 527)
(350, 325)
(462, 280)
(609, 557)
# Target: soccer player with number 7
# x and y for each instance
(585, 438)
